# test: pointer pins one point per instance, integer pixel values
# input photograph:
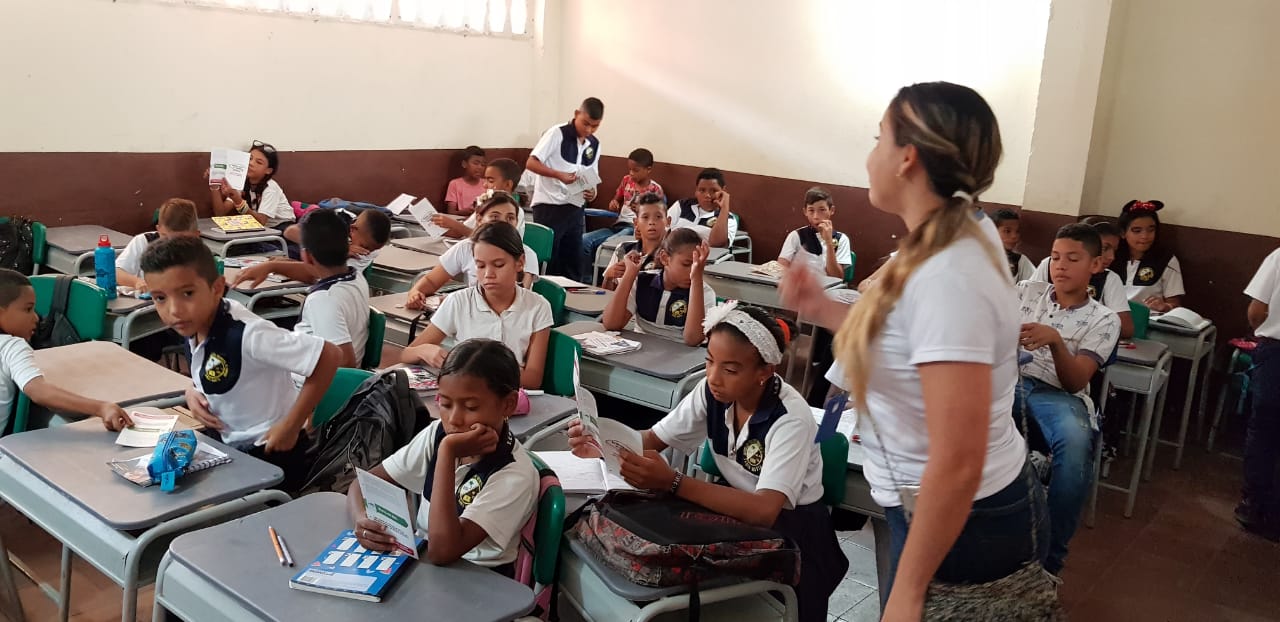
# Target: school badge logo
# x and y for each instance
(469, 489)
(753, 456)
(712, 221)
(679, 309)
(1146, 274)
(589, 152)
(1093, 291)
(216, 368)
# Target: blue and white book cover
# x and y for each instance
(349, 570)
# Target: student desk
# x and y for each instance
(269, 289)
(425, 244)
(656, 376)
(102, 370)
(1195, 346)
(129, 319)
(395, 269)
(58, 478)
(221, 242)
(402, 323)
(734, 280)
(229, 573)
(586, 304)
(70, 248)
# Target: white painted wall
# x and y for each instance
(794, 89)
(142, 76)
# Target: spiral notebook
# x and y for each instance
(135, 469)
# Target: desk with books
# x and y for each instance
(221, 242)
(395, 269)
(656, 376)
(70, 248)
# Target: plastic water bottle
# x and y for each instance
(104, 267)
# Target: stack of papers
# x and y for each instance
(148, 425)
(605, 344)
(771, 269)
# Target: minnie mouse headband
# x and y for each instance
(1151, 205)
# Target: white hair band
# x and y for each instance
(755, 332)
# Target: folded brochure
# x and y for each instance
(386, 504)
(148, 425)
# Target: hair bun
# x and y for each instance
(1150, 205)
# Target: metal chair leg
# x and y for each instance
(10, 588)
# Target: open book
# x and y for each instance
(604, 344)
(594, 475)
(237, 224)
(1182, 317)
(770, 269)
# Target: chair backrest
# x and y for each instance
(21, 410)
(562, 353)
(39, 243)
(539, 238)
(835, 463)
(1141, 315)
(86, 305)
(549, 528)
(345, 382)
(554, 295)
(373, 345)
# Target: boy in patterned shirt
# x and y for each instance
(1070, 336)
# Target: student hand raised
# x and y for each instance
(700, 254)
(631, 263)
(113, 417)
(1036, 336)
(253, 275)
(372, 535)
(648, 472)
(721, 201)
(478, 441)
(198, 404)
(582, 444)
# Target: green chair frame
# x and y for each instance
(1141, 315)
(548, 530)
(835, 463)
(557, 376)
(345, 382)
(86, 305)
(377, 334)
(848, 271)
(539, 238)
(554, 295)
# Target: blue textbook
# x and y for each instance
(349, 570)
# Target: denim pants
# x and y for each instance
(591, 242)
(1262, 442)
(996, 540)
(566, 223)
(1062, 421)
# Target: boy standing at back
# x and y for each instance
(337, 305)
(177, 217)
(556, 161)
(1069, 336)
(242, 365)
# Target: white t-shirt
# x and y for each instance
(274, 205)
(1169, 285)
(818, 263)
(130, 259)
(465, 314)
(363, 262)
(956, 307)
(1265, 288)
(1091, 328)
(792, 460)
(702, 221)
(664, 306)
(338, 314)
(17, 368)
(1025, 269)
(501, 508)
(1113, 296)
(461, 260)
(250, 387)
(548, 190)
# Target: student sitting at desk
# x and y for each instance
(635, 184)
(177, 218)
(478, 485)
(496, 307)
(819, 245)
(708, 212)
(336, 308)
(1151, 274)
(650, 229)
(1105, 285)
(500, 175)
(261, 196)
(460, 260)
(670, 302)
(460, 196)
(368, 233)
(1009, 224)
(763, 436)
(18, 371)
(242, 365)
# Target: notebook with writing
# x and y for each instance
(135, 469)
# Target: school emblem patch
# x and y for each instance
(589, 152)
(469, 489)
(1146, 274)
(1093, 292)
(711, 222)
(753, 456)
(216, 368)
(679, 309)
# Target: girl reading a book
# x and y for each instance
(762, 435)
(1151, 274)
(261, 196)
(670, 302)
(495, 307)
(477, 483)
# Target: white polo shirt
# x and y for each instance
(1265, 288)
(337, 310)
(461, 259)
(274, 205)
(656, 312)
(130, 259)
(1113, 296)
(702, 220)
(792, 460)
(1091, 328)
(501, 508)
(550, 152)
(362, 263)
(17, 368)
(465, 314)
(1168, 286)
(248, 380)
(791, 248)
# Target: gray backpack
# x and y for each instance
(55, 328)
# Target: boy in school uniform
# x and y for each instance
(650, 229)
(1069, 336)
(177, 218)
(1259, 509)
(1105, 285)
(336, 308)
(560, 155)
(635, 184)
(819, 245)
(1010, 227)
(367, 235)
(670, 302)
(708, 212)
(460, 196)
(18, 371)
(241, 364)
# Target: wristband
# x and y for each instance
(243, 207)
(676, 481)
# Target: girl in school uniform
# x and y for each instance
(763, 435)
(261, 196)
(670, 302)
(650, 228)
(1151, 274)
(460, 260)
(818, 245)
(478, 485)
(496, 307)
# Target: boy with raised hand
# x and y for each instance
(241, 364)
(1070, 336)
(561, 153)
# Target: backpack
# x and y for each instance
(17, 245)
(55, 328)
(382, 416)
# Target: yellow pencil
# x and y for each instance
(275, 543)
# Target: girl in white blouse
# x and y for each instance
(1151, 274)
(261, 196)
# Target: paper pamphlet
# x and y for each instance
(422, 211)
(614, 437)
(147, 427)
(228, 164)
(587, 179)
(770, 269)
(386, 504)
(582, 475)
(400, 203)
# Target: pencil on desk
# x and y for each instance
(288, 559)
(275, 542)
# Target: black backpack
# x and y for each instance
(55, 329)
(17, 245)
(382, 416)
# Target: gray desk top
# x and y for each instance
(656, 357)
(586, 302)
(72, 459)
(80, 239)
(211, 231)
(428, 245)
(266, 286)
(232, 556)
(102, 370)
(740, 271)
(1143, 352)
(123, 305)
(544, 410)
(403, 260)
(387, 305)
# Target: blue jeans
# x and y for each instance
(1062, 421)
(591, 242)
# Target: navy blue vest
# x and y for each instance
(151, 236)
(812, 242)
(647, 262)
(223, 353)
(1097, 283)
(569, 146)
(476, 475)
(687, 213)
(1150, 268)
(1014, 258)
(648, 292)
(751, 455)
